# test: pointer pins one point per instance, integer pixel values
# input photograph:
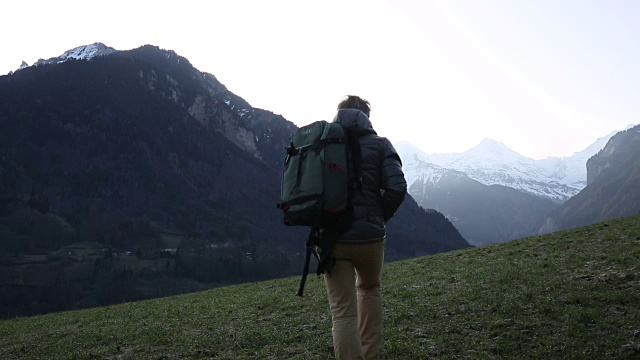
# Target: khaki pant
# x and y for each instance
(355, 299)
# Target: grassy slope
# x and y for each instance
(572, 294)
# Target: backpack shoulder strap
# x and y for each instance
(356, 158)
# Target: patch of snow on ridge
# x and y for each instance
(424, 172)
(85, 52)
(416, 169)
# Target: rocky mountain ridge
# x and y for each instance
(85, 52)
(613, 188)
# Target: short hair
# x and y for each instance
(355, 102)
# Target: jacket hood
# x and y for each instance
(354, 120)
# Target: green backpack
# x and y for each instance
(320, 176)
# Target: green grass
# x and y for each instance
(568, 295)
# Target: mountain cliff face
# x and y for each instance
(112, 135)
(483, 214)
(613, 186)
(137, 152)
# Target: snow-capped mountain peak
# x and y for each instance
(489, 153)
(491, 147)
(85, 52)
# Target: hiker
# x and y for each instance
(353, 281)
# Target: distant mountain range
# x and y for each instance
(492, 163)
(483, 214)
(491, 193)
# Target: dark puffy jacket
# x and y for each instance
(383, 183)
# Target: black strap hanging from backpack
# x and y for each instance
(312, 241)
(310, 249)
(355, 160)
(324, 240)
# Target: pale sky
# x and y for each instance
(544, 77)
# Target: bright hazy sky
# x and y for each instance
(544, 77)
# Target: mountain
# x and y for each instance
(491, 193)
(483, 214)
(492, 163)
(613, 186)
(126, 175)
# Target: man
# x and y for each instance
(353, 282)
